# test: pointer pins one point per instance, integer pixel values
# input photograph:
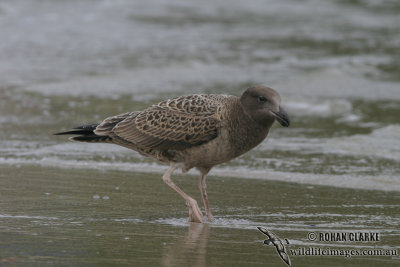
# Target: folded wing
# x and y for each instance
(172, 124)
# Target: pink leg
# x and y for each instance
(203, 188)
(195, 214)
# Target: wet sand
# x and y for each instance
(52, 216)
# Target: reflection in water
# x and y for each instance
(189, 250)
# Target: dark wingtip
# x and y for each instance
(262, 229)
(87, 127)
(90, 138)
(80, 130)
(85, 132)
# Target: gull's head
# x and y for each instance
(263, 105)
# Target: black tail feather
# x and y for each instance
(85, 134)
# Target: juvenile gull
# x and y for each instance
(195, 131)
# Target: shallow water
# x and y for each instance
(64, 63)
(53, 216)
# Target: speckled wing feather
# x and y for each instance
(178, 123)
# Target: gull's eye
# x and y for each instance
(262, 99)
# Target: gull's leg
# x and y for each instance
(195, 214)
(203, 188)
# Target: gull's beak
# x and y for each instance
(282, 117)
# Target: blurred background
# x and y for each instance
(64, 63)
(335, 63)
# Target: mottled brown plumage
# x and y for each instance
(198, 131)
